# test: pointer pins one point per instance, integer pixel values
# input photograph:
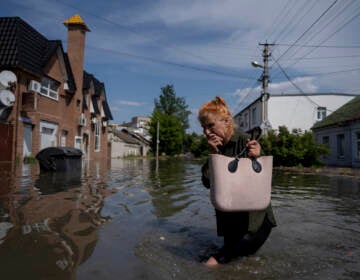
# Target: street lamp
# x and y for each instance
(256, 64)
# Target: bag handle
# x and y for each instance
(255, 135)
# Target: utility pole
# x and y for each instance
(157, 145)
(265, 124)
(157, 140)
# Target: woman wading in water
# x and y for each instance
(244, 232)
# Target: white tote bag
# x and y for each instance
(240, 184)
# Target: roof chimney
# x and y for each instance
(76, 47)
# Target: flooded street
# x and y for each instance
(132, 220)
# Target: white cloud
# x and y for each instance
(129, 103)
(245, 96)
(306, 84)
(115, 109)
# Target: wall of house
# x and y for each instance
(18, 117)
(121, 149)
(6, 140)
(32, 108)
(294, 112)
(43, 109)
(300, 112)
(355, 144)
(334, 159)
(250, 117)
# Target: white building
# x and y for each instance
(295, 111)
(138, 125)
(124, 143)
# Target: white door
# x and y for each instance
(64, 134)
(48, 134)
(27, 150)
(78, 142)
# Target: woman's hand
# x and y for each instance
(214, 142)
(254, 148)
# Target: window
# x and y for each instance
(47, 130)
(246, 118)
(326, 140)
(340, 145)
(358, 145)
(97, 137)
(78, 142)
(253, 116)
(321, 113)
(50, 88)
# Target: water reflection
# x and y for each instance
(159, 224)
(168, 189)
(49, 221)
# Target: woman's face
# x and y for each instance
(218, 127)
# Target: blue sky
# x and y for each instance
(204, 47)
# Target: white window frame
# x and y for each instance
(78, 142)
(48, 86)
(48, 128)
(97, 137)
(321, 113)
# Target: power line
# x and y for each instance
(334, 72)
(323, 57)
(294, 21)
(325, 24)
(331, 35)
(321, 46)
(285, 10)
(311, 26)
(326, 39)
(162, 61)
(297, 87)
(329, 73)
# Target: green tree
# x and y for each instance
(292, 149)
(170, 105)
(172, 114)
(196, 144)
(170, 136)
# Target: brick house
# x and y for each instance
(56, 103)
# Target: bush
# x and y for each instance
(293, 149)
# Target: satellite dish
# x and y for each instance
(7, 77)
(7, 98)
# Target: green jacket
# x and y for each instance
(232, 222)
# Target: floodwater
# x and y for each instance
(133, 219)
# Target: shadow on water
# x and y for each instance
(158, 223)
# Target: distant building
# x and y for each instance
(138, 125)
(295, 111)
(340, 131)
(56, 103)
(126, 143)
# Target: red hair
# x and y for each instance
(216, 107)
